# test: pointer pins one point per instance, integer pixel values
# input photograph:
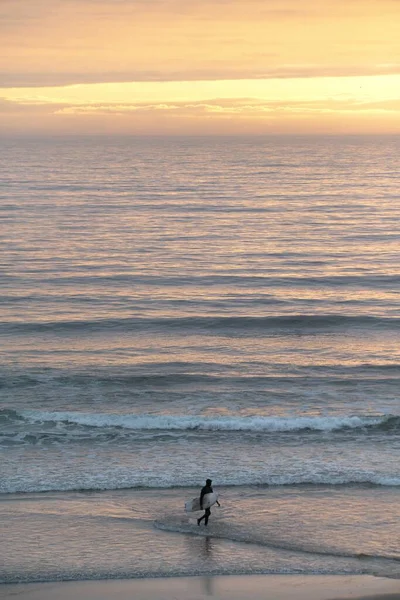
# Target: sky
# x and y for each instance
(177, 67)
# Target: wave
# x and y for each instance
(285, 324)
(129, 481)
(132, 380)
(188, 374)
(245, 280)
(233, 423)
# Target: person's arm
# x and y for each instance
(218, 503)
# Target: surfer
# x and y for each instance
(207, 489)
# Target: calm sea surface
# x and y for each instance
(177, 309)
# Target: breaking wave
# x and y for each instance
(127, 480)
(206, 423)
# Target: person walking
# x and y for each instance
(207, 489)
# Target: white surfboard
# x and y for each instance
(194, 505)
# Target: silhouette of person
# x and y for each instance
(207, 489)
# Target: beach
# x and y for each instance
(145, 533)
(267, 587)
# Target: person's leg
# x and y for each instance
(201, 518)
(207, 515)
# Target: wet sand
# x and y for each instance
(256, 587)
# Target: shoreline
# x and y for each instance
(224, 587)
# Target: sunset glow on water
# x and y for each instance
(200, 279)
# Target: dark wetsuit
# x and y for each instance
(207, 489)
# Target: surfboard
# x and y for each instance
(194, 505)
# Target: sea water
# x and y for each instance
(175, 309)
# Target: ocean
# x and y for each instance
(174, 309)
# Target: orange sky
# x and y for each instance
(199, 66)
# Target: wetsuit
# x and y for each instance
(207, 489)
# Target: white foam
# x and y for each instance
(47, 483)
(214, 423)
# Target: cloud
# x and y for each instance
(24, 107)
(60, 79)
(387, 105)
(213, 116)
(65, 42)
(246, 107)
(21, 13)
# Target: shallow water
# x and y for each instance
(176, 309)
(139, 533)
